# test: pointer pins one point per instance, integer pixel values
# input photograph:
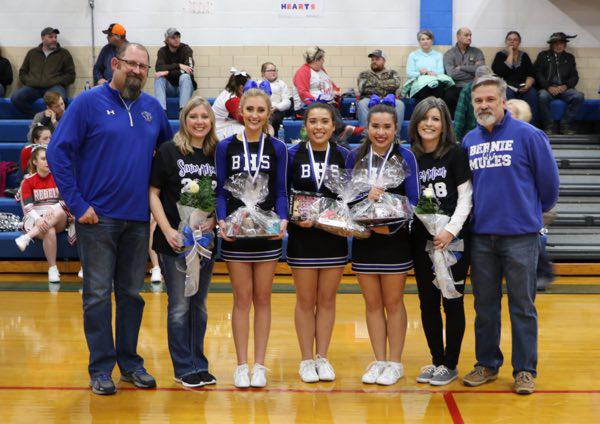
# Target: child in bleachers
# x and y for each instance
(40, 136)
(55, 107)
(44, 212)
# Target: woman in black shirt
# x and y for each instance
(189, 155)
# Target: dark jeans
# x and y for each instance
(451, 98)
(531, 97)
(113, 253)
(277, 119)
(430, 297)
(545, 269)
(514, 257)
(24, 97)
(187, 316)
(574, 101)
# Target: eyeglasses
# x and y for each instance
(133, 64)
(270, 70)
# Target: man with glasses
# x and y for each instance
(100, 158)
(281, 97)
(174, 70)
(116, 36)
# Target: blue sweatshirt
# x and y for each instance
(515, 177)
(102, 67)
(101, 153)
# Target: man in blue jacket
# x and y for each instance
(100, 157)
(116, 37)
(515, 179)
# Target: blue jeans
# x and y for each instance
(163, 88)
(572, 97)
(362, 110)
(113, 252)
(24, 97)
(531, 97)
(514, 257)
(187, 316)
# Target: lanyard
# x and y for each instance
(385, 159)
(247, 154)
(313, 167)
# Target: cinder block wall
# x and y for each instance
(343, 63)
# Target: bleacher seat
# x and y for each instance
(9, 250)
(409, 106)
(8, 111)
(14, 130)
(173, 106)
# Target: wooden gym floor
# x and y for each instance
(43, 358)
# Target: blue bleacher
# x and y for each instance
(173, 106)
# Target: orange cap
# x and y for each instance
(116, 29)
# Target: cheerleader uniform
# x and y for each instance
(226, 107)
(388, 253)
(313, 247)
(230, 160)
(39, 194)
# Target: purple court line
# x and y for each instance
(307, 391)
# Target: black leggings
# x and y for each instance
(429, 297)
(426, 91)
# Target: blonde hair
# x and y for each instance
(182, 138)
(523, 109)
(312, 54)
(256, 92)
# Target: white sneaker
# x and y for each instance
(22, 242)
(374, 370)
(241, 376)
(80, 273)
(53, 274)
(393, 372)
(259, 376)
(324, 369)
(308, 371)
(156, 275)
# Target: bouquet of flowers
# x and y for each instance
(196, 203)
(333, 215)
(390, 208)
(250, 221)
(434, 220)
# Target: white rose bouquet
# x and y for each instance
(196, 203)
(429, 213)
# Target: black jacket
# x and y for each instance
(167, 60)
(546, 64)
(6, 73)
(513, 76)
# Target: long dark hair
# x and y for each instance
(236, 81)
(328, 108)
(366, 142)
(447, 138)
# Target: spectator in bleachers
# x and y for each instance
(464, 117)
(425, 70)
(40, 136)
(460, 63)
(515, 179)
(312, 83)
(379, 81)
(280, 95)
(48, 67)
(44, 213)
(116, 36)
(55, 107)
(174, 70)
(6, 74)
(557, 77)
(227, 105)
(515, 67)
(519, 109)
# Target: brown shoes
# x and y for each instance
(524, 383)
(479, 376)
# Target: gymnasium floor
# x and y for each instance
(43, 358)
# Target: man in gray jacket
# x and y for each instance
(460, 63)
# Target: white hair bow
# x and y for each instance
(236, 72)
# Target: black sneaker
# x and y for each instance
(190, 380)
(102, 384)
(207, 378)
(140, 378)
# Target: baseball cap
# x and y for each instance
(50, 30)
(171, 32)
(116, 29)
(378, 53)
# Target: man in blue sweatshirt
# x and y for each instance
(515, 179)
(100, 157)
